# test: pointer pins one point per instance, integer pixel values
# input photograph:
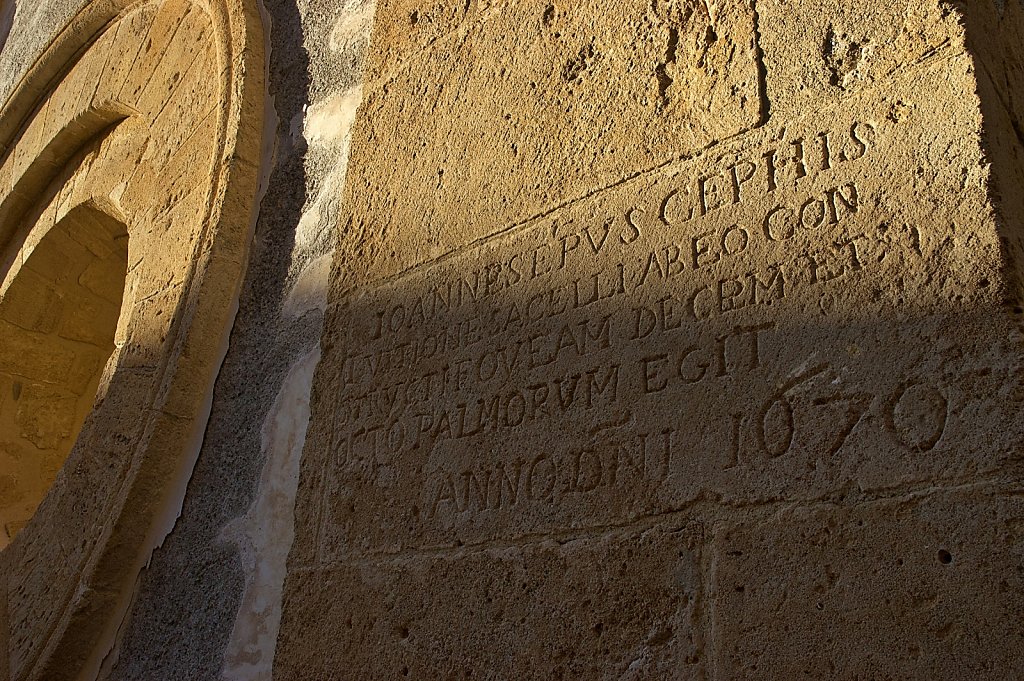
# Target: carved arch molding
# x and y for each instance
(135, 137)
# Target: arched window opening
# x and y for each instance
(59, 309)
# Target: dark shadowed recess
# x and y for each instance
(7, 8)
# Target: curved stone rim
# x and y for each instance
(184, 377)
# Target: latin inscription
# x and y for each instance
(620, 356)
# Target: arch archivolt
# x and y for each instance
(137, 137)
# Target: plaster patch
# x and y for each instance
(329, 121)
(310, 289)
(321, 214)
(264, 534)
(310, 224)
(327, 125)
(352, 25)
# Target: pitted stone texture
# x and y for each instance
(816, 53)
(619, 606)
(628, 86)
(915, 588)
(403, 28)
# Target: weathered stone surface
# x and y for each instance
(628, 85)
(771, 320)
(816, 53)
(209, 605)
(556, 609)
(665, 339)
(810, 304)
(909, 588)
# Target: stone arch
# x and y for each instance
(139, 125)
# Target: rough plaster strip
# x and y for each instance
(329, 122)
(264, 534)
(310, 289)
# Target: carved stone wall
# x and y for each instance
(59, 312)
(638, 340)
(672, 340)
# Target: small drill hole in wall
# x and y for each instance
(945, 557)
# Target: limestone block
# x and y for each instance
(99, 233)
(33, 355)
(816, 53)
(30, 150)
(781, 306)
(154, 39)
(122, 52)
(102, 280)
(555, 609)
(35, 308)
(46, 415)
(120, 397)
(69, 103)
(10, 490)
(87, 364)
(122, 80)
(63, 261)
(627, 86)
(184, 168)
(178, 67)
(90, 319)
(60, 205)
(6, 179)
(148, 327)
(912, 588)
(170, 235)
(106, 170)
(185, 70)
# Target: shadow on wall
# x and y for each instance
(191, 595)
(7, 10)
(581, 391)
(59, 313)
(847, 332)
